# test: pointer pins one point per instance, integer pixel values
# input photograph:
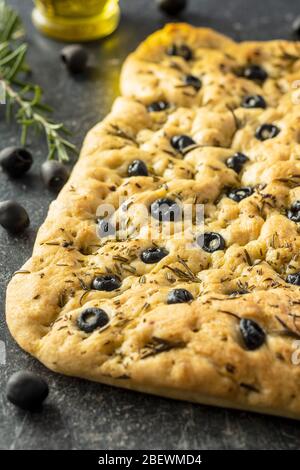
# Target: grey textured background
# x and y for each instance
(78, 414)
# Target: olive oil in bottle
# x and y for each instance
(76, 20)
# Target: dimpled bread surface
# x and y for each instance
(195, 350)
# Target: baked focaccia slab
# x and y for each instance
(201, 120)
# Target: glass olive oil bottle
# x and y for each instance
(76, 20)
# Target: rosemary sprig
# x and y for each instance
(22, 97)
(10, 24)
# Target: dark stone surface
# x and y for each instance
(79, 414)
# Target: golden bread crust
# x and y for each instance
(190, 351)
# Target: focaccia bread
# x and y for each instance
(214, 316)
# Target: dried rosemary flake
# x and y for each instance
(83, 284)
(62, 299)
(230, 313)
(159, 345)
(50, 244)
(83, 296)
(249, 387)
(146, 306)
(128, 268)
(286, 329)
(62, 327)
(120, 258)
(248, 257)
